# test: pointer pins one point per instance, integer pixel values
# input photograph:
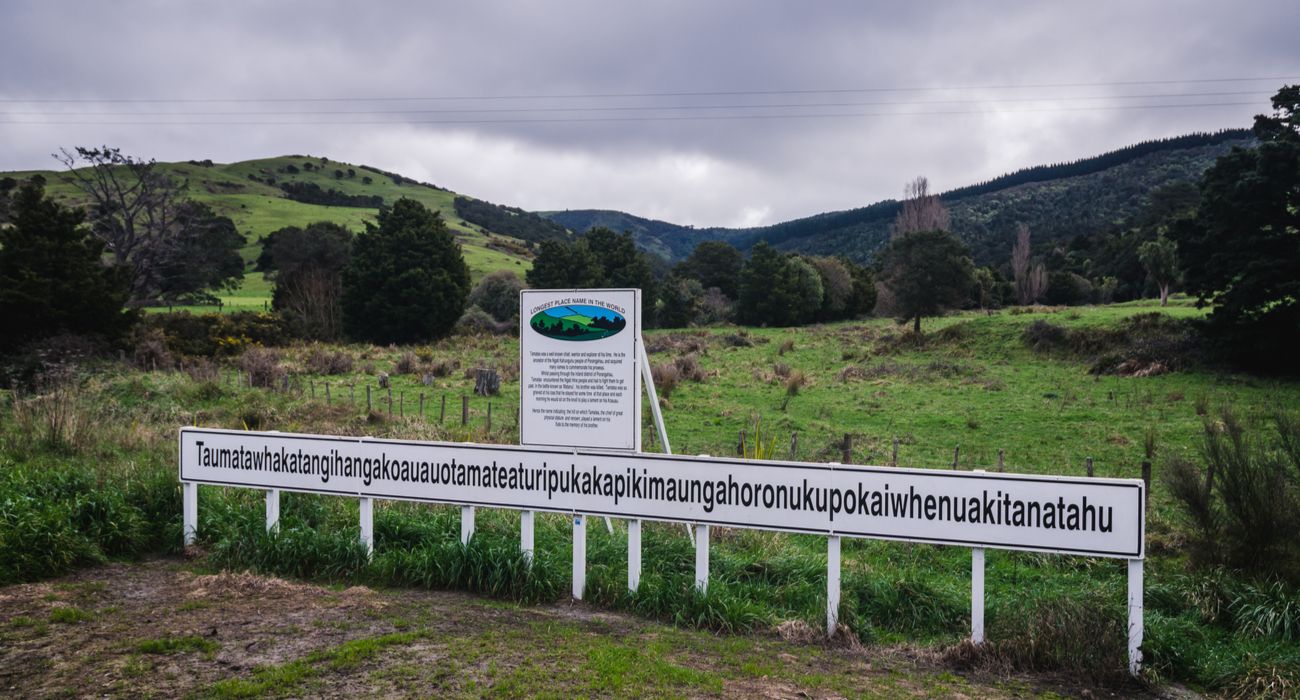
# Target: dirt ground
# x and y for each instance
(162, 628)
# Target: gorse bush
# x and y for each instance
(1243, 500)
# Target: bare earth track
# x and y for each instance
(162, 628)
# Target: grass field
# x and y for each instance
(970, 383)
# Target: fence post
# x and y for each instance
(466, 524)
(894, 462)
(190, 511)
(369, 405)
(272, 509)
(1001, 461)
(367, 511)
(422, 404)
(1134, 616)
(1088, 464)
(1146, 476)
(328, 399)
(956, 455)
(442, 413)
(846, 449)
(526, 535)
(579, 556)
(977, 593)
(489, 417)
(702, 558)
(464, 410)
(633, 555)
(390, 400)
(832, 584)
(794, 445)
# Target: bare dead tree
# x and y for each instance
(1020, 264)
(1030, 277)
(921, 211)
(134, 208)
(310, 299)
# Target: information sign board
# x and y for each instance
(1097, 517)
(578, 368)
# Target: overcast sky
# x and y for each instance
(704, 113)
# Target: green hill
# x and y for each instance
(263, 195)
(1058, 202)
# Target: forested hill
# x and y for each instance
(1057, 201)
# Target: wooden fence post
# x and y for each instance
(464, 410)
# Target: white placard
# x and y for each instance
(1096, 517)
(578, 379)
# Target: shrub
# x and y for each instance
(405, 364)
(328, 362)
(476, 321)
(665, 377)
(688, 366)
(213, 335)
(262, 367)
(498, 294)
(150, 351)
(1244, 503)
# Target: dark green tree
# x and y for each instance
(624, 266)
(778, 289)
(407, 280)
(307, 266)
(925, 273)
(714, 264)
(864, 289)
(1241, 254)
(202, 255)
(53, 278)
(563, 265)
(682, 298)
(1160, 259)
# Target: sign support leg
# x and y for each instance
(526, 535)
(367, 511)
(190, 511)
(977, 595)
(648, 379)
(1134, 616)
(272, 509)
(832, 584)
(466, 524)
(702, 558)
(633, 555)
(579, 556)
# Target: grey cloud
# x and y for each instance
(697, 171)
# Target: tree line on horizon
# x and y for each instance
(1230, 241)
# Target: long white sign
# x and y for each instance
(1097, 517)
(578, 379)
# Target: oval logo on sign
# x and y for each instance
(577, 322)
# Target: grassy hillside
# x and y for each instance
(258, 207)
(1057, 201)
